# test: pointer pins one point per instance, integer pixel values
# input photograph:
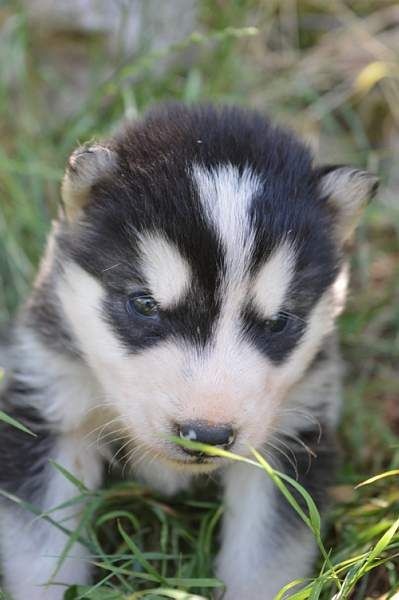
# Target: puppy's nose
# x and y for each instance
(222, 436)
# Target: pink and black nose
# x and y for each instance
(221, 436)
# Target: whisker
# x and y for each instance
(100, 427)
(134, 463)
(115, 455)
(98, 405)
(112, 267)
(110, 434)
(306, 415)
(291, 315)
(293, 463)
(283, 443)
(299, 441)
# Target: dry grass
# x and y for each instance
(331, 70)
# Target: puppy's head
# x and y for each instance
(204, 268)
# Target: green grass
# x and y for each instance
(316, 66)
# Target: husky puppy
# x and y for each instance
(189, 288)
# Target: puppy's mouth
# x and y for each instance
(189, 455)
(173, 456)
(195, 464)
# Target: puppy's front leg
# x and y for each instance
(260, 552)
(29, 546)
(265, 545)
(261, 549)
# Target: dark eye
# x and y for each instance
(278, 323)
(143, 304)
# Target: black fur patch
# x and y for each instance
(152, 190)
(45, 316)
(23, 458)
(277, 346)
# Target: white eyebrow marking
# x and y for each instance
(273, 280)
(166, 271)
(226, 196)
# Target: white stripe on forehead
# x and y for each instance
(273, 281)
(166, 271)
(226, 197)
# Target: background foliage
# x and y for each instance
(331, 71)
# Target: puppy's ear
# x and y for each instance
(86, 165)
(347, 191)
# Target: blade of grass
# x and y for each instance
(10, 421)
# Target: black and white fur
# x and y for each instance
(226, 222)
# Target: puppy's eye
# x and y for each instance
(278, 323)
(142, 304)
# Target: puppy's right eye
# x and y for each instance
(278, 323)
(143, 305)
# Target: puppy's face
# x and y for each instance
(204, 260)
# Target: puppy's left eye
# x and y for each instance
(142, 304)
(278, 323)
